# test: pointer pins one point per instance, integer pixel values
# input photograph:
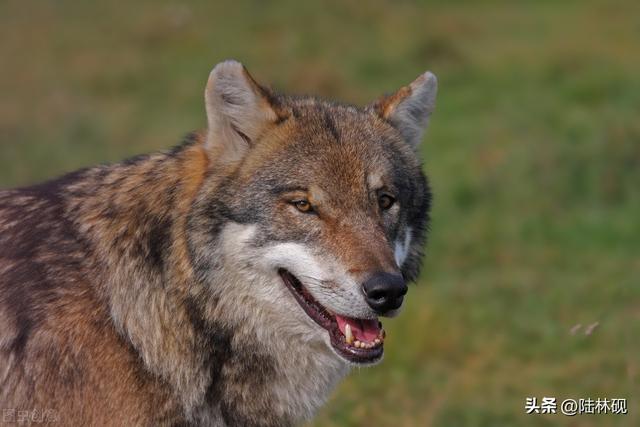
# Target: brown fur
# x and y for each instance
(118, 303)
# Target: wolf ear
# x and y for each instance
(238, 111)
(409, 109)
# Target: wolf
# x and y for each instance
(233, 280)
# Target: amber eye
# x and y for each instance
(385, 201)
(303, 206)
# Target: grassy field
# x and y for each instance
(533, 154)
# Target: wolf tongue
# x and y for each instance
(362, 329)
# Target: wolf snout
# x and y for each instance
(384, 292)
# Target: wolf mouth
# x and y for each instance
(357, 340)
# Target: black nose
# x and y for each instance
(384, 291)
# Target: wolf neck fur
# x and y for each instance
(183, 332)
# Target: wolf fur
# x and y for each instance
(146, 292)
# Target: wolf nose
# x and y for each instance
(384, 291)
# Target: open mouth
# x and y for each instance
(357, 340)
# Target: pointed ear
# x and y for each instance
(409, 109)
(238, 111)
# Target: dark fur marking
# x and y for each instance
(190, 139)
(261, 413)
(27, 286)
(19, 343)
(216, 343)
(330, 125)
(132, 161)
(159, 236)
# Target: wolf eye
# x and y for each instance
(303, 206)
(386, 201)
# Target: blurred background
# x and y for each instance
(531, 284)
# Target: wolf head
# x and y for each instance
(312, 212)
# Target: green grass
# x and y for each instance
(533, 154)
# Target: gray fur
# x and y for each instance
(147, 292)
